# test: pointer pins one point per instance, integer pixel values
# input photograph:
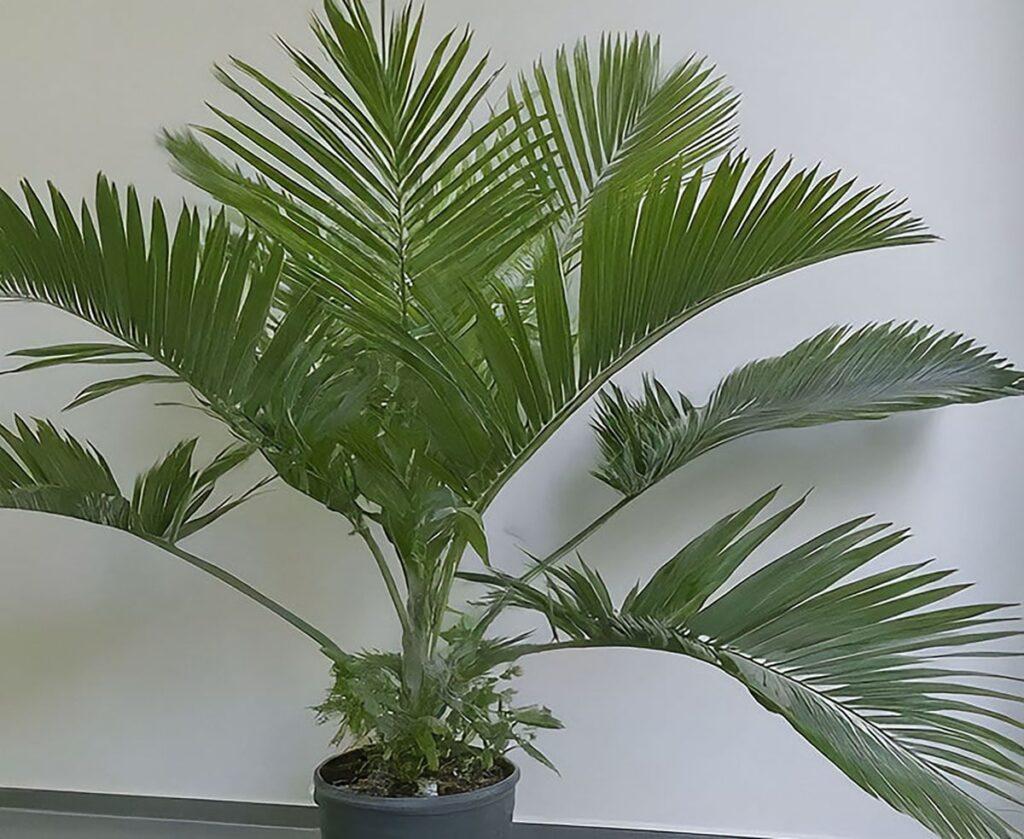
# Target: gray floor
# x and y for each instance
(25, 824)
(28, 824)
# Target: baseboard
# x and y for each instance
(294, 816)
(157, 807)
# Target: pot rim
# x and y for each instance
(413, 805)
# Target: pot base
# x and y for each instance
(481, 814)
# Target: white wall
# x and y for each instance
(122, 671)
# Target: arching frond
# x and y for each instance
(651, 262)
(196, 296)
(873, 668)
(841, 374)
(203, 301)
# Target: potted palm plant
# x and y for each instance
(411, 287)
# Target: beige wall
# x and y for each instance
(121, 671)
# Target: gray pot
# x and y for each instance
(482, 814)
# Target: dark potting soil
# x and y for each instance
(353, 771)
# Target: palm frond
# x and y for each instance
(203, 301)
(841, 374)
(45, 470)
(619, 119)
(376, 171)
(651, 262)
(873, 668)
(196, 297)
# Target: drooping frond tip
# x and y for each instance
(873, 667)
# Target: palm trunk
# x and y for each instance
(415, 639)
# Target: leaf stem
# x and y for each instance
(327, 645)
(449, 567)
(574, 541)
(389, 579)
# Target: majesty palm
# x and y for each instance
(427, 284)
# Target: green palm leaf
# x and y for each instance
(841, 374)
(650, 262)
(44, 470)
(200, 299)
(620, 118)
(376, 171)
(379, 151)
(196, 297)
(871, 667)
